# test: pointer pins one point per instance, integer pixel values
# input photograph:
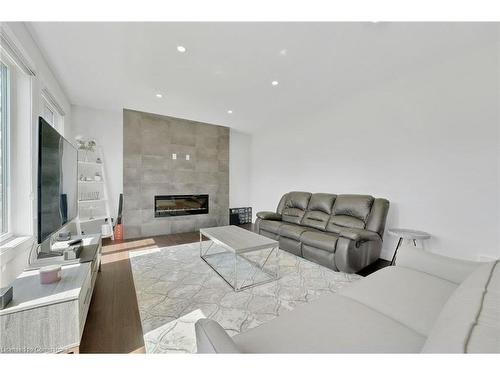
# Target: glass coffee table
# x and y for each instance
(242, 258)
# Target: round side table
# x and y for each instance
(409, 235)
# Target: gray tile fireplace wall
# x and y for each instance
(149, 141)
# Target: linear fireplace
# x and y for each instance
(178, 205)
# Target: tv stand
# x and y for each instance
(51, 318)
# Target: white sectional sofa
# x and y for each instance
(426, 303)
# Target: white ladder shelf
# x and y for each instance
(92, 193)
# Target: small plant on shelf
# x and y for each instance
(87, 145)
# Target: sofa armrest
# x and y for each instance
(212, 338)
(268, 215)
(359, 235)
(451, 269)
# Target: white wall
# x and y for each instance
(427, 141)
(106, 127)
(239, 169)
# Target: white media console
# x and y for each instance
(51, 318)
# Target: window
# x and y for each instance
(17, 141)
(48, 114)
(52, 112)
(4, 149)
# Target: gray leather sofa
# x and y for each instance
(341, 232)
(426, 303)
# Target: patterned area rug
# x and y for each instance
(175, 288)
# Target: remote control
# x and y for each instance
(74, 242)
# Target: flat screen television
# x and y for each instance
(57, 180)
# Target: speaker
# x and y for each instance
(64, 208)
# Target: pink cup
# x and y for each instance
(50, 274)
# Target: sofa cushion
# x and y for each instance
(318, 211)
(338, 222)
(298, 199)
(321, 202)
(412, 298)
(331, 324)
(451, 269)
(470, 320)
(292, 231)
(272, 226)
(315, 219)
(295, 206)
(349, 211)
(320, 240)
(357, 206)
(293, 215)
(485, 335)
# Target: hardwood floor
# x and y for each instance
(377, 265)
(113, 322)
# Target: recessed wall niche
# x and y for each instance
(149, 170)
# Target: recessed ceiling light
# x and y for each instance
(181, 49)
(283, 52)
(229, 111)
(159, 96)
(274, 83)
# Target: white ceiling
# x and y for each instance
(231, 65)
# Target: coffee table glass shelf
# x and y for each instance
(242, 258)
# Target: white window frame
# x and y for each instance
(47, 108)
(6, 156)
(21, 152)
(49, 102)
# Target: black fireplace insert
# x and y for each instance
(178, 205)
